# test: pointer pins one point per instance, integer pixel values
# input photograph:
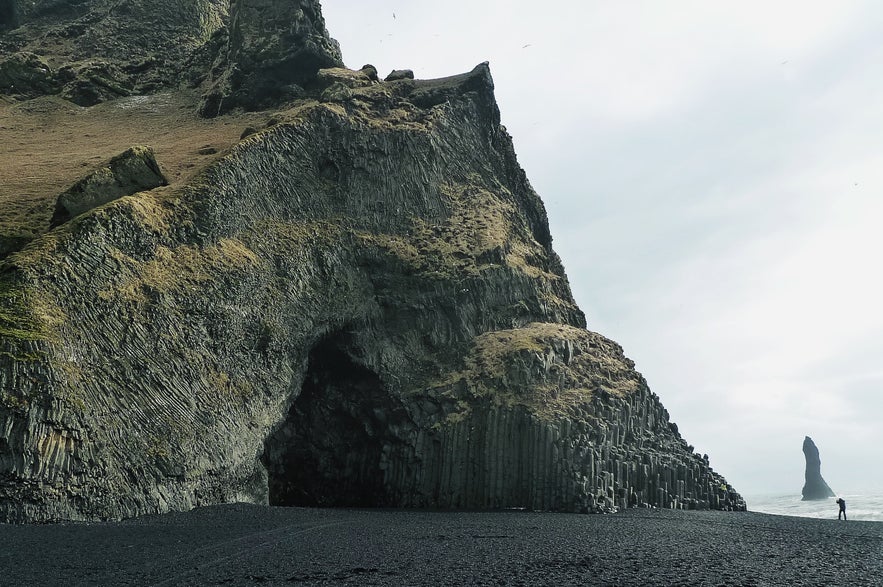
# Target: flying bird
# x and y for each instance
(526, 46)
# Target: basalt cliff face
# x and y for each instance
(357, 305)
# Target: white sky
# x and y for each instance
(712, 172)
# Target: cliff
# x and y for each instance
(356, 304)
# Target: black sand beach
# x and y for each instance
(252, 545)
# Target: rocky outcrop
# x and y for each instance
(130, 172)
(248, 54)
(356, 305)
(9, 14)
(122, 31)
(103, 49)
(815, 486)
(25, 75)
(525, 443)
(274, 49)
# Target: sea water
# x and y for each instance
(860, 505)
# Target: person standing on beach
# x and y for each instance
(842, 511)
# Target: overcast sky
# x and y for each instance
(713, 175)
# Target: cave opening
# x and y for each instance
(329, 449)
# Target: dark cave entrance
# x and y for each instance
(328, 450)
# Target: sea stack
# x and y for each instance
(815, 487)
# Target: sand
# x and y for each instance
(251, 545)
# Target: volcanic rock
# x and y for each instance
(102, 46)
(358, 305)
(814, 487)
(274, 49)
(130, 172)
(370, 71)
(397, 74)
(9, 14)
(25, 75)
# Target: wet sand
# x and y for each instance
(253, 545)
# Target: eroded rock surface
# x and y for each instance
(358, 304)
(128, 173)
(274, 48)
(25, 75)
(99, 50)
(249, 54)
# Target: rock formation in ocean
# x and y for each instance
(815, 486)
(356, 305)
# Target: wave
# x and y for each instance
(859, 506)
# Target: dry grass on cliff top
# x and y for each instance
(49, 143)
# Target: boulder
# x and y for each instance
(347, 77)
(815, 486)
(397, 74)
(130, 172)
(274, 49)
(370, 71)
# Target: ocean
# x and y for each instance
(859, 506)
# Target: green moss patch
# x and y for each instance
(19, 319)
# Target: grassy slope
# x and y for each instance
(49, 144)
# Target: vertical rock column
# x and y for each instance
(505, 457)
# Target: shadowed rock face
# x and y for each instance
(274, 49)
(359, 305)
(814, 487)
(9, 14)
